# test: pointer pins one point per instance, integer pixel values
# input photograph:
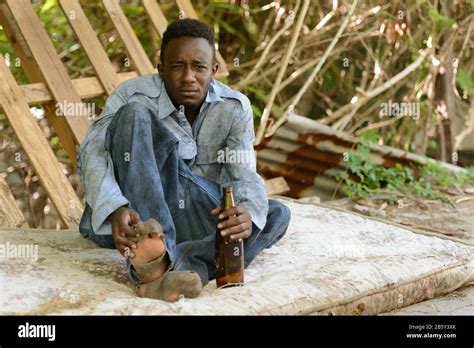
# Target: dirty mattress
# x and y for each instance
(330, 262)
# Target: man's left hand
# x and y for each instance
(238, 226)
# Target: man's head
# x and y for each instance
(187, 62)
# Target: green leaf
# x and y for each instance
(5, 48)
(257, 113)
(48, 5)
(328, 81)
(441, 22)
(369, 137)
(432, 144)
(388, 15)
(230, 29)
(133, 10)
(465, 81)
(54, 141)
(231, 8)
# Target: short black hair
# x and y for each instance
(187, 27)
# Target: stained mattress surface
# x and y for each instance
(330, 262)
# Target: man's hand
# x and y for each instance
(122, 221)
(237, 227)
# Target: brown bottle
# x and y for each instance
(229, 253)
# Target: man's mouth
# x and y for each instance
(188, 92)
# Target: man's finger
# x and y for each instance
(125, 231)
(242, 235)
(122, 242)
(134, 217)
(235, 229)
(232, 211)
(216, 211)
(233, 221)
(125, 242)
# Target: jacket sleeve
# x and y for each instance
(95, 168)
(239, 169)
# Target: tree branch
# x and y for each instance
(311, 78)
(286, 59)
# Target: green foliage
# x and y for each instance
(465, 81)
(364, 177)
(441, 22)
(257, 113)
(48, 4)
(369, 137)
(4, 47)
(235, 9)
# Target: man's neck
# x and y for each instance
(191, 114)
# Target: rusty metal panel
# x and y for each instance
(308, 154)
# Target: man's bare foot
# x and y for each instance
(172, 286)
(150, 247)
(151, 262)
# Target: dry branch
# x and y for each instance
(310, 79)
(366, 96)
(286, 59)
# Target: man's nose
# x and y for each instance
(188, 75)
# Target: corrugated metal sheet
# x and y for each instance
(307, 154)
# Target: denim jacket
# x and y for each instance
(218, 146)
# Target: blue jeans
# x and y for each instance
(158, 184)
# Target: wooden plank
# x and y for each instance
(132, 45)
(91, 44)
(25, 57)
(44, 53)
(10, 214)
(86, 87)
(276, 186)
(188, 11)
(41, 155)
(156, 16)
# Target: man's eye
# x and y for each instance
(201, 67)
(176, 66)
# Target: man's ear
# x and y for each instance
(160, 69)
(215, 68)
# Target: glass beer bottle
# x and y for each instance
(229, 253)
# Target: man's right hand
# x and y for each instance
(122, 221)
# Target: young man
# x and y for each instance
(156, 152)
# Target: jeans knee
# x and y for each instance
(132, 112)
(128, 117)
(279, 211)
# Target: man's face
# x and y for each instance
(187, 70)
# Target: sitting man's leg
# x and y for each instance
(159, 185)
(145, 158)
(278, 219)
(196, 229)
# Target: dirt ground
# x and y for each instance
(439, 218)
